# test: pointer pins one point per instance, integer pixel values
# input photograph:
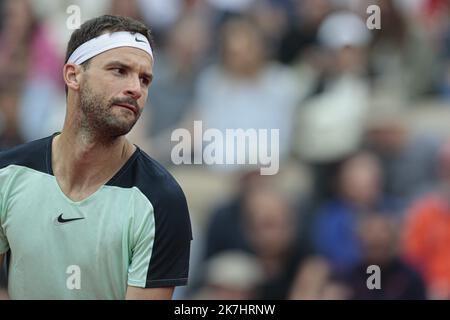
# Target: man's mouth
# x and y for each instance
(127, 106)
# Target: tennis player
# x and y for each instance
(84, 213)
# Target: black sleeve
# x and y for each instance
(169, 263)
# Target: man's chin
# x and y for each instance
(117, 129)
(118, 132)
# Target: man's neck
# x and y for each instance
(82, 164)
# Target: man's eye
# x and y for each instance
(120, 71)
(145, 81)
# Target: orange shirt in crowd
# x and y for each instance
(427, 243)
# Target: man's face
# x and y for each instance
(114, 89)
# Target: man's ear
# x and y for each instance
(72, 73)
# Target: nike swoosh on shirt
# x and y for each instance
(61, 220)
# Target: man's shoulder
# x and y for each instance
(32, 155)
(152, 179)
(159, 186)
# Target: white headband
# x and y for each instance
(107, 42)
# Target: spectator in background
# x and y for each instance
(379, 239)
(409, 160)
(228, 219)
(301, 48)
(329, 124)
(12, 71)
(272, 18)
(245, 89)
(357, 192)
(29, 67)
(231, 275)
(402, 60)
(231, 217)
(427, 233)
(272, 234)
(261, 222)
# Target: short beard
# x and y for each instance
(97, 120)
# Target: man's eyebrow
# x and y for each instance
(117, 64)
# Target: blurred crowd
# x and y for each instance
(364, 135)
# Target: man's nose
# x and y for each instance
(134, 87)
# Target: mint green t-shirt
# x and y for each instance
(135, 230)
